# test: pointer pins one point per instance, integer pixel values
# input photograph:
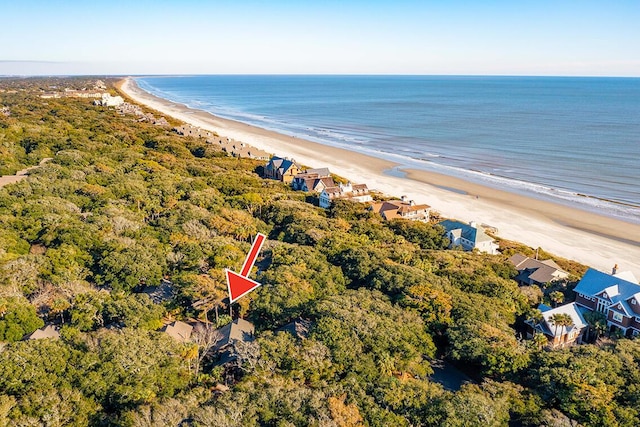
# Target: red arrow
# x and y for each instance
(239, 284)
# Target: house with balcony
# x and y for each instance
(313, 180)
(352, 192)
(618, 299)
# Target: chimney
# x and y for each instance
(412, 203)
(614, 270)
(403, 198)
(473, 224)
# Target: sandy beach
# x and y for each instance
(595, 240)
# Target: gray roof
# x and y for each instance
(573, 310)
(179, 330)
(278, 163)
(538, 271)
(299, 328)
(160, 293)
(238, 330)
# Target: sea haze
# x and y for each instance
(571, 140)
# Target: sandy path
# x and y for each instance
(21, 174)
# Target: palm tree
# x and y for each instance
(597, 323)
(540, 340)
(556, 297)
(535, 317)
(560, 319)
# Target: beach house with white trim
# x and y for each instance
(351, 192)
(616, 298)
(559, 336)
(469, 236)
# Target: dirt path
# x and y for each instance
(21, 174)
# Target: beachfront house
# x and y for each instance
(401, 209)
(313, 180)
(355, 193)
(241, 150)
(618, 299)
(281, 169)
(194, 131)
(562, 326)
(469, 236)
(534, 272)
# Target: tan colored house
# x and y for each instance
(401, 209)
(281, 169)
(196, 132)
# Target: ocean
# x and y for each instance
(570, 140)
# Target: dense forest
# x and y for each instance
(124, 204)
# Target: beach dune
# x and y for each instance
(595, 240)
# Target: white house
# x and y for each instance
(109, 101)
(354, 193)
(469, 236)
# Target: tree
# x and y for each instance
(495, 350)
(597, 324)
(59, 306)
(19, 319)
(204, 339)
(540, 340)
(562, 320)
(556, 297)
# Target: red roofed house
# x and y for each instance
(401, 209)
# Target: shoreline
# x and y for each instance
(589, 238)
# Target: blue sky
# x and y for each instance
(561, 37)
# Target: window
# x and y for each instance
(633, 301)
(617, 317)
